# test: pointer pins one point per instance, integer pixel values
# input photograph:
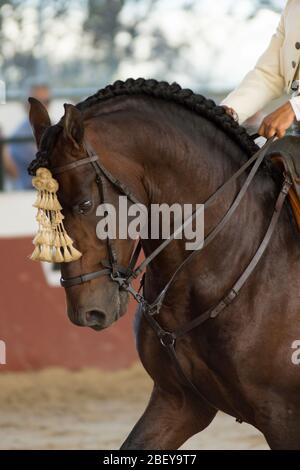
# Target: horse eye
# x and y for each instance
(83, 207)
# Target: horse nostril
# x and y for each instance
(95, 317)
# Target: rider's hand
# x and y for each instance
(231, 112)
(277, 123)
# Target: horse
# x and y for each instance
(169, 145)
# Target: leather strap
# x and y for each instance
(235, 290)
(257, 158)
(155, 306)
(168, 339)
(71, 166)
(119, 185)
(101, 182)
(101, 170)
(73, 281)
(135, 257)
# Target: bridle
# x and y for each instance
(110, 265)
(124, 276)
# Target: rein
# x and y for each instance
(124, 276)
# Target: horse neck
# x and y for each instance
(180, 156)
(171, 156)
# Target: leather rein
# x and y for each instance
(123, 276)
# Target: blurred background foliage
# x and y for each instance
(75, 42)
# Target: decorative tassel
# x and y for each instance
(67, 255)
(38, 239)
(55, 203)
(52, 243)
(47, 201)
(35, 256)
(58, 257)
(38, 200)
(74, 253)
(63, 241)
(57, 218)
(56, 241)
(45, 254)
(68, 240)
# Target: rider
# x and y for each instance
(276, 71)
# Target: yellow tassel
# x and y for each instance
(67, 255)
(52, 185)
(58, 257)
(51, 236)
(42, 204)
(41, 238)
(39, 216)
(55, 203)
(48, 238)
(43, 173)
(37, 183)
(68, 239)
(37, 238)
(35, 255)
(45, 221)
(56, 241)
(38, 200)
(45, 254)
(47, 201)
(63, 241)
(74, 253)
(52, 202)
(57, 218)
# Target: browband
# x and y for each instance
(70, 166)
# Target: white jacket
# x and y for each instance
(275, 70)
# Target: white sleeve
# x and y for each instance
(262, 84)
(295, 102)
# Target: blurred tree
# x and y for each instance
(259, 4)
(19, 60)
(104, 24)
(109, 32)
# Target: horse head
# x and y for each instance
(98, 302)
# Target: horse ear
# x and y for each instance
(39, 118)
(73, 125)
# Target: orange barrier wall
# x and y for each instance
(35, 326)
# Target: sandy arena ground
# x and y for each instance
(59, 409)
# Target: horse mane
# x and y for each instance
(202, 106)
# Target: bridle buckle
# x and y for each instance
(167, 339)
(116, 277)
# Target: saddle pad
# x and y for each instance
(278, 161)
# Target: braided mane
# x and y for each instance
(185, 97)
(169, 92)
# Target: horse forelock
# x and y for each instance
(47, 144)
